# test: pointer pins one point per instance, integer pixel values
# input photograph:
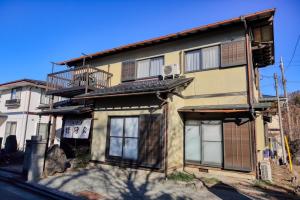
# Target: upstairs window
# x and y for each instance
(45, 99)
(202, 59)
(149, 67)
(16, 93)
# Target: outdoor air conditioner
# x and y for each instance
(170, 70)
(265, 170)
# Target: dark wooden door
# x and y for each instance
(237, 146)
(151, 141)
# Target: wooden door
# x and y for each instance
(237, 146)
(151, 141)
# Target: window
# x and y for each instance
(42, 130)
(10, 129)
(202, 59)
(149, 67)
(16, 93)
(203, 142)
(123, 138)
(45, 99)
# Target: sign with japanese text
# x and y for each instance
(77, 128)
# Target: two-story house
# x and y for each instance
(184, 100)
(20, 103)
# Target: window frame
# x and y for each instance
(6, 134)
(17, 89)
(108, 139)
(202, 162)
(43, 93)
(148, 58)
(185, 71)
(38, 125)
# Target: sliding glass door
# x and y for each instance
(203, 142)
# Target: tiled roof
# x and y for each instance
(36, 82)
(250, 17)
(136, 87)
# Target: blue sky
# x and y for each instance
(33, 33)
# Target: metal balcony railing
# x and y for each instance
(12, 102)
(81, 78)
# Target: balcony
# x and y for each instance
(76, 81)
(12, 103)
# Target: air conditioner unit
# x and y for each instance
(265, 170)
(170, 70)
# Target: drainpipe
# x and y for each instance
(250, 94)
(249, 70)
(165, 114)
(27, 115)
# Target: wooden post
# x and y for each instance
(286, 98)
(280, 120)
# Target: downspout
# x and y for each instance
(250, 95)
(165, 114)
(249, 70)
(27, 115)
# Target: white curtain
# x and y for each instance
(210, 57)
(143, 68)
(156, 66)
(192, 60)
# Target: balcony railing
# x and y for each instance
(12, 102)
(76, 81)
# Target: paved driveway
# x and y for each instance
(115, 183)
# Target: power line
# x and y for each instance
(298, 39)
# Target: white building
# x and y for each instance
(20, 103)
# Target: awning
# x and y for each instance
(67, 110)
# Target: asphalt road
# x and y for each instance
(10, 192)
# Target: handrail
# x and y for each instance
(86, 76)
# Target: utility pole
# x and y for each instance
(290, 132)
(280, 120)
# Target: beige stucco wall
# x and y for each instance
(208, 88)
(260, 138)
(175, 133)
(100, 129)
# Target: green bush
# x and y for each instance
(181, 176)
